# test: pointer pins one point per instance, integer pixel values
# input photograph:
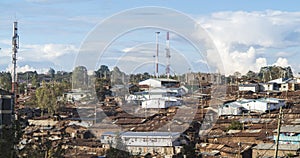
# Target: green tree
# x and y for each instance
(47, 94)
(103, 72)
(102, 88)
(5, 81)
(51, 72)
(34, 80)
(80, 78)
(235, 125)
(117, 76)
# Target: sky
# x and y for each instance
(246, 34)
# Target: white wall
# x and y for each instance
(268, 87)
(262, 106)
(160, 103)
(147, 141)
(229, 111)
(248, 88)
(284, 87)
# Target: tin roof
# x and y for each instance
(270, 146)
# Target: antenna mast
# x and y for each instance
(156, 59)
(15, 47)
(168, 55)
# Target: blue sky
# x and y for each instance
(248, 34)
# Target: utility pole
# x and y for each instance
(15, 47)
(168, 56)
(156, 59)
(278, 132)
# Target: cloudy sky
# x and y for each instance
(247, 35)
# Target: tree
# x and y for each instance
(117, 76)
(102, 86)
(237, 74)
(5, 81)
(103, 72)
(235, 125)
(34, 81)
(46, 96)
(79, 78)
(51, 72)
(251, 75)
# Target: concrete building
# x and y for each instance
(164, 143)
(6, 108)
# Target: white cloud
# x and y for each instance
(37, 56)
(260, 62)
(27, 68)
(283, 54)
(46, 51)
(281, 62)
(242, 38)
(127, 50)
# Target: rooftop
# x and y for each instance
(270, 146)
(145, 134)
(289, 129)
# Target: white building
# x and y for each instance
(233, 108)
(262, 104)
(161, 103)
(157, 97)
(280, 84)
(249, 87)
(165, 143)
(77, 95)
(159, 82)
(267, 87)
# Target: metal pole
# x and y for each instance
(156, 59)
(168, 56)
(15, 47)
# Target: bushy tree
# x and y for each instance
(102, 86)
(103, 72)
(235, 125)
(47, 94)
(51, 72)
(5, 81)
(79, 78)
(117, 76)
